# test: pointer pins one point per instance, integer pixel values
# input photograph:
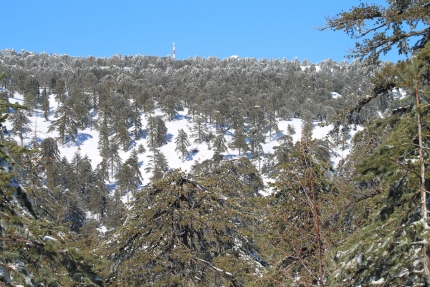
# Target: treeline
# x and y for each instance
(282, 88)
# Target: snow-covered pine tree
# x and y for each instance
(182, 143)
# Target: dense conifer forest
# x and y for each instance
(261, 200)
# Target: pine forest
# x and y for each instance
(152, 171)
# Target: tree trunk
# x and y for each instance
(423, 191)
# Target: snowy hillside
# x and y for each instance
(87, 140)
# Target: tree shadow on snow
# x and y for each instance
(180, 117)
(143, 134)
(230, 156)
(191, 154)
(248, 154)
(132, 144)
(276, 136)
(81, 138)
(169, 137)
(111, 186)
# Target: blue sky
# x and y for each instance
(257, 29)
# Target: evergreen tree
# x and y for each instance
(113, 159)
(283, 150)
(82, 169)
(49, 157)
(239, 141)
(301, 218)
(170, 106)
(382, 28)
(396, 169)
(198, 129)
(60, 91)
(182, 143)
(394, 172)
(290, 130)
(129, 177)
(136, 120)
(45, 104)
(99, 195)
(220, 145)
(103, 142)
(156, 132)
(65, 123)
(272, 121)
(115, 212)
(31, 93)
(157, 164)
(81, 105)
(256, 136)
(256, 139)
(141, 149)
(201, 243)
(122, 136)
(20, 123)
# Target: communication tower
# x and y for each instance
(174, 51)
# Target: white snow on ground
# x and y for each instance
(335, 95)
(88, 140)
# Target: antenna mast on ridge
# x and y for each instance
(174, 51)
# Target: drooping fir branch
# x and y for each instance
(383, 28)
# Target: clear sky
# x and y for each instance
(246, 28)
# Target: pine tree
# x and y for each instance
(239, 141)
(136, 120)
(99, 195)
(60, 91)
(45, 104)
(283, 150)
(129, 177)
(31, 93)
(82, 169)
(178, 233)
(103, 142)
(113, 159)
(157, 164)
(20, 123)
(156, 132)
(65, 123)
(272, 121)
(301, 218)
(220, 145)
(395, 168)
(122, 136)
(81, 105)
(199, 130)
(182, 143)
(290, 130)
(256, 139)
(256, 136)
(49, 157)
(170, 106)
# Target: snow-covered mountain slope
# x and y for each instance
(87, 139)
